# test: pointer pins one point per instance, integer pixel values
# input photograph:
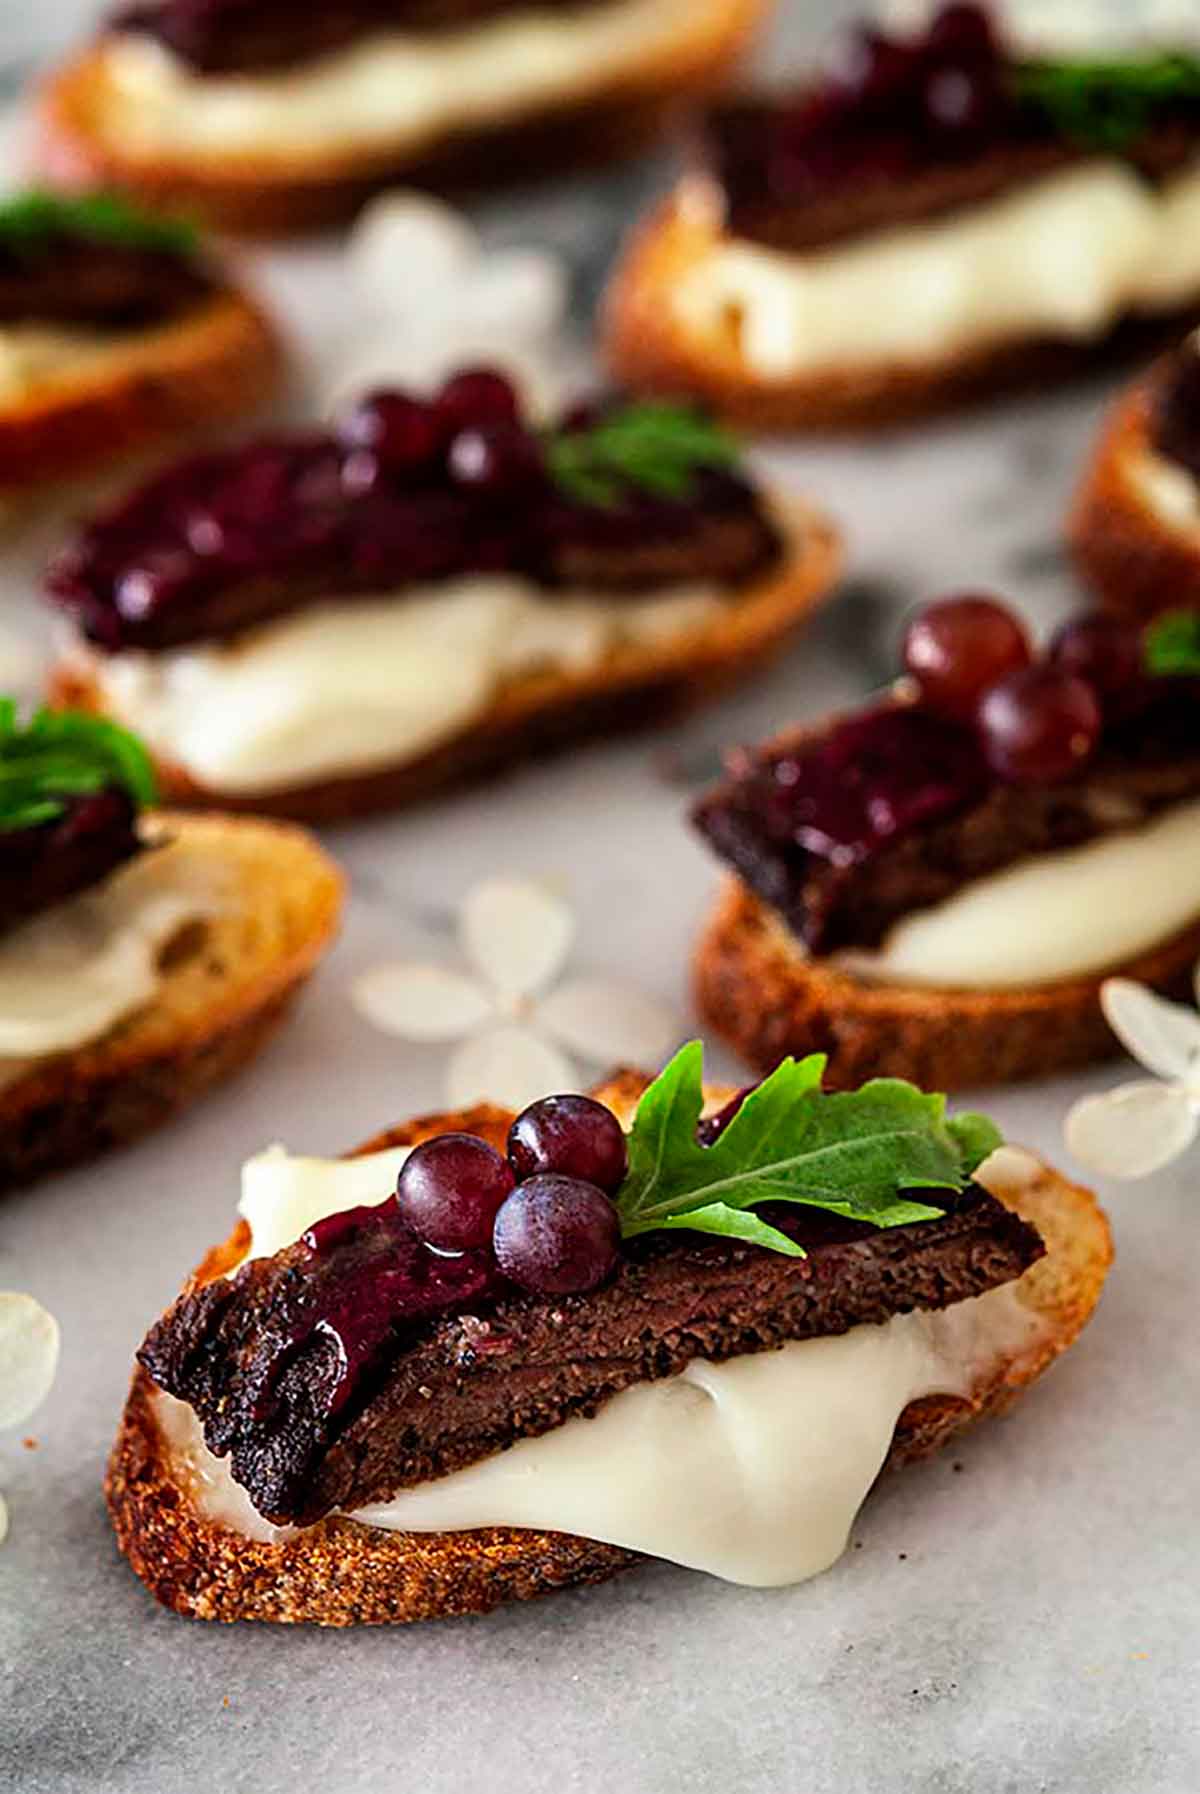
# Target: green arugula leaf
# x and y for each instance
(59, 755)
(1107, 103)
(1171, 644)
(854, 1153)
(33, 218)
(656, 447)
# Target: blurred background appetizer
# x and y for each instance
(935, 214)
(118, 330)
(323, 624)
(260, 117)
(144, 955)
(936, 886)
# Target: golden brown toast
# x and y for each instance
(635, 685)
(279, 193)
(209, 365)
(756, 988)
(226, 986)
(341, 1573)
(1136, 560)
(649, 349)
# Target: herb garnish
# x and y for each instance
(852, 1153)
(658, 447)
(32, 219)
(1105, 103)
(1171, 644)
(59, 755)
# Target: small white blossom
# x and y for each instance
(1140, 1126)
(519, 1030)
(427, 299)
(29, 1343)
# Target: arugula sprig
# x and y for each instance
(854, 1154)
(656, 446)
(1107, 103)
(31, 219)
(59, 755)
(1171, 644)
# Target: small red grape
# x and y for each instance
(1107, 652)
(557, 1235)
(450, 1189)
(957, 648)
(572, 1134)
(1039, 725)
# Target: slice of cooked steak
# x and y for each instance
(847, 829)
(71, 280)
(50, 861)
(356, 1362)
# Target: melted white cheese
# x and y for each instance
(1060, 915)
(753, 1470)
(1065, 256)
(392, 87)
(70, 975)
(32, 354)
(367, 682)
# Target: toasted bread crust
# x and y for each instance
(214, 363)
(339, 1573)
(648, 350)
(216, 1006)
(1137, 561)
(279, 194)
(636, 686)
(757, 990)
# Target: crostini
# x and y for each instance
(144, 955)
(265, 120)
(439, 1375)
(1135, 524)
(322, 625)
(937, 886)
(116, 332)
(934, 217)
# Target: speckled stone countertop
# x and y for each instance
(1022, 1616)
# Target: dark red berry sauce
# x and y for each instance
(405, 492)
(46, 864)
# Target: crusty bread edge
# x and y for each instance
(1136, 562)
(76, 1105)
(270, 195)
(214, 363)
(636, 685)
(756, 989)
(339, 1573)
(648, 349)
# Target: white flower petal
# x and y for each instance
(421, 1002)
(516, 293)
(509, 1066)
(517, 933)
(409, 252)
(610, 1023)
(1133, 1130)
(1164, 1036)
(29, 1341)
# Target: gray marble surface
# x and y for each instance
(1024, 1616)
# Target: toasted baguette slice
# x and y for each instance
(1137, 558)
(651, 349)
(636, 685)
(226, 986)
(340, 1573)
(271, 192)
(758, 990)
(211, 364)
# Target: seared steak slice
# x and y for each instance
(76, 281)
(948, 822)
(338, 1372)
